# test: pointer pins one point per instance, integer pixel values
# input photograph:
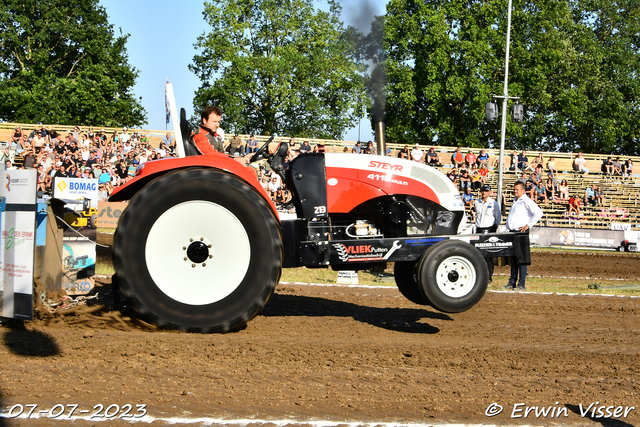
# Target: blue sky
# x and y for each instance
(160, 47)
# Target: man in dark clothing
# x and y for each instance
(404, 153)
(305, 147)
(92, 160)
(61, 172)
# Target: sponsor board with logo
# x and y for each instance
(109, 213)
(493, 244)
(18, 225)
(576, 237)
(79, 248)
(76, 189)
(78, 265)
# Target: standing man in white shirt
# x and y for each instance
(523, 215)
(487, 218)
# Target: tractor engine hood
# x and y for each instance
(354, 179)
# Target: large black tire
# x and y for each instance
(198, 249)
(405, 273)
(93, 221)
(453, 276)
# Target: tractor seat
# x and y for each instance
(190, 147)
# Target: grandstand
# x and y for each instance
(620, 195)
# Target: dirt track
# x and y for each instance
(349, 354)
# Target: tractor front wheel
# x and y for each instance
(198, 249)
(453, 276)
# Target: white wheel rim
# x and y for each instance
(456, 276)
(197, 283)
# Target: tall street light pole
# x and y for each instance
(504, 107)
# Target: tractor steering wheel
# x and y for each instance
(262, 150)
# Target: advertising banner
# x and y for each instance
(576, 237)
(109, 213)
(78, 243)
(18, 244)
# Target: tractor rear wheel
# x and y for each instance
(405, 274)
(198, 249)
(453, 276)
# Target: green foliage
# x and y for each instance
(60, 63)
(575, 63)
(280, 66)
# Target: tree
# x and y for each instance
(441, 67)
(60, 63)
(578, 67)
(574, 63)
(280, 66)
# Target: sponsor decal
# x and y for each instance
(383, 165)
(109, 213)
(16, 182)
(365, 252)
(423, 242)
(83, 186)
(332, 181)
(386, 178)
(77, 186)
(319, 210)
(15, 238)
(493, 244)
(359, 252)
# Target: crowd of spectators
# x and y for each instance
(111, 159)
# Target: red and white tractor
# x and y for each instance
(201, 247)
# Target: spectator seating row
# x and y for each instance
(621, 195)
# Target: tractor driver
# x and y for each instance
(208, 140)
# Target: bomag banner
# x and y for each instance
(18, 243)
(78, 248)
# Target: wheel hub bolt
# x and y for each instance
(197, 252)
(453, 276)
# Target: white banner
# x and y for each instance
(76, 189)
(18, 244)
